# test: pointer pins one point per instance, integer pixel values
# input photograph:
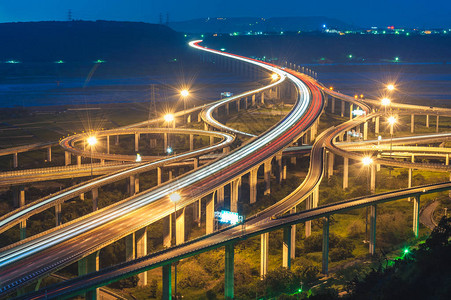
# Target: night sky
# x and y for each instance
(401, 13)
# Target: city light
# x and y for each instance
(169, 117)
(391, 120)
(390, 87)
(331, 88)
(138, 157)
(385, 101)
(175, 197)
(92, 140)
(274, 76)
(168, 150)
(184, 93)
(367, 161)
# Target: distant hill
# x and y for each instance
(229, 25)
(86, 40)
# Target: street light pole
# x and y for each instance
(175, 197)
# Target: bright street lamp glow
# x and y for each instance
(92, 140)
(184, 93)
(274, 76)
(385, 101)
(169, 117)
(168, 150)
(391, 120)
(367, 161)
(390, 87)
(138, 157)
(175, 197)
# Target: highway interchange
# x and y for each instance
(37, 256)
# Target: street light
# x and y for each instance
(392, 121)
(175, 197)
(390, 87)
(367, 161)
(184, 93)
(274, 76)
(385, 102)
(92, 140)
(169, 118)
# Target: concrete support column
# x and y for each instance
(78, 160)
(108, 144)
(137, 142)
(376, 125)
(412, 123)
(253, 185)
(117, 140)
(253, 100)
(447, 159)
(58, 220)
(49, 154)
(308, 224)
(238, 104)
(293, 160)
(345, 172)
(373, 215)
(264, 243)
(235, 187)
(267, 172)
(373, 178)
(15, 160)
(23, 224)
(286, 247)
(88, 265)
(196, 162)
(262, 100)
(132, 185)
(351, 108)
(220, 196)
(325, 260)
(141, 250)
(378, 166)
(427, 121)
(95, 199)
(332, 105)
(130, 247)
(365, 131)
(167, 282)
(436, 124)
(229, 271)
(199, 117)
(180, 228)
(293, 236)
(67, 158)
(167, 231)
(227, 107)
(342, 108)
(284, 170)
(416, 215)
(245, 103)
(191, 142)
(165, 138)
(210, 214)
(279, 174)
(212, 140)
(330, 164)
(158, 176)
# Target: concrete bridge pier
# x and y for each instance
(238, 102)
(332, 104)
(262, 99)
(235, 187)
(108, 144)
(88, 265)
(67, 158)
(376, 125)
(287, 247)
(416, 215)
(311, 202)
(229, 271)
(373, 178)
(78, 160)
(95, 199)
(227, 108)
(345, 172)
(412, 123)
(342, 113)
(253, 100)
(279, 171)
(158, 176)
(210, 214)
(15, 160)
(365, 131)
(436, 124)
(141, 250)
(137, 136)
(58, 220)
(117, 140)
(220, 196)
(447, 159)
(191, 142)
(372, 242)
(245, 103)
(253, 185)
(49, 154)
(330, 164)
(325, 257)
(212, 140)
(21, 202)
(199, 117)
(264, 247)
(167, 231)
(167, 282)
(196, 162)
(427, 121)
(351, 108)
(267, 172)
